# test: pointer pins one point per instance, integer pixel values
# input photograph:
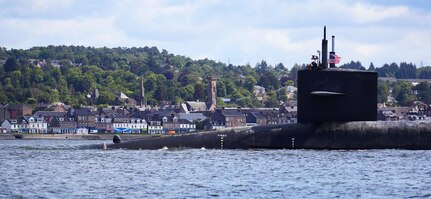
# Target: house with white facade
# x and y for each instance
(26, 124)
(137, 125)
(186, 126)
(125, 124)
(36, 124)
(13, 126)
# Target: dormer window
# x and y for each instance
(39, 120)
(165, 119)
(175, 119)
(61, 119)
(31, 119)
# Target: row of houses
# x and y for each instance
(419, 111)
(83, 121)
(120, 120)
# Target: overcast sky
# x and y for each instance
(235, 31)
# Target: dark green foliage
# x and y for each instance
(11, 65)
(372, 67)
(70, 73)
(269, 80)
(382, 91)
(406, 71)
(387, 70)
(402, 93)
(424, 72)
(424, 92)
(353, 65)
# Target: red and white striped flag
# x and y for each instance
(334, 59)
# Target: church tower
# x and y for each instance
(142, 94)
(212, 90)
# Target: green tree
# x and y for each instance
(294, 72)
(269, 81)
(272, 101)
(11, 65)
(382, 91)
(282, 94)
(424, 72)
(371, 68)
(199, 92)
(250, 82)
(424, 92)
(403, 97)
(221, 89)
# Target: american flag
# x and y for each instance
(334, 59)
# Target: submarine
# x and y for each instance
(337, 110)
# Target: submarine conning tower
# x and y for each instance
(335, 94)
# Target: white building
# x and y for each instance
(155, 127)
(186, 126)
(13, 126)
(36, 124)
(28, 124)
(130, 125)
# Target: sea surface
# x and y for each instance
(71, 169)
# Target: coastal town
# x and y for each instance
(134, 116)
(130, 117)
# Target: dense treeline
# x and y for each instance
(402, 92)
(69, 73)
(402, 71)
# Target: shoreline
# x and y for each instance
(8, 136)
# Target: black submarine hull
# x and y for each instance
(330, 135)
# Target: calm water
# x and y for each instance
(64, 169)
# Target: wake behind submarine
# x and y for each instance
(337, 109)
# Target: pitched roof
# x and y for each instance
(49, 114)
(231, 113)
(184, 121)
(258, 115)
(27, 118)
(140, 114)
(197, 106)
(107, 111)
(83, 112)
(18, 106)
(192, 116)
(164, 112)
(119, 116)
(64, 119)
